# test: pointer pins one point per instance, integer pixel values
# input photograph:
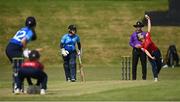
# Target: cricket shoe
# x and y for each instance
(43, 92)
(17, 91)
(155, 79)
(73, 80)
(165, 66)
(68, 80)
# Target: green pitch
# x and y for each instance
(104, 27)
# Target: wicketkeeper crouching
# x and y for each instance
(32, 68)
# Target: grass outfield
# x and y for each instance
(104, 26)
(102, 83)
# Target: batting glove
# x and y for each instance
(78, 52)
(26, 53)
(64, 52)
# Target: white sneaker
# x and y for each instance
(68, 80)
(17, 91)
(43, 92)
(165, 66)
(73, 80)
(156, 79)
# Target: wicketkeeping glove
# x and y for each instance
(64, 52)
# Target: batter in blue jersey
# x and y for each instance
(21, 39)
(68, 49)
(16, 45)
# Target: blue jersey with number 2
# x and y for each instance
(69, 41)
(22, 33)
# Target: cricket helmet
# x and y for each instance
(139, 24)
(30, 21)
(34, 55)
(72, 27)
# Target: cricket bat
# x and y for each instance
(82, 75)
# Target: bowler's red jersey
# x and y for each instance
(148, 44)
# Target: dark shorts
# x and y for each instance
(14, 50)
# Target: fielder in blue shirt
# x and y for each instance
(18, 43)
(68, 50)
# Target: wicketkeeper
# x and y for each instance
(68, 50)
(32, 68)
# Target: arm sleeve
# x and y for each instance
(78, 39)
(131, 42)
(34, 36)
(61, 45)
(62, 41)
(79, 45)
(29, 36)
